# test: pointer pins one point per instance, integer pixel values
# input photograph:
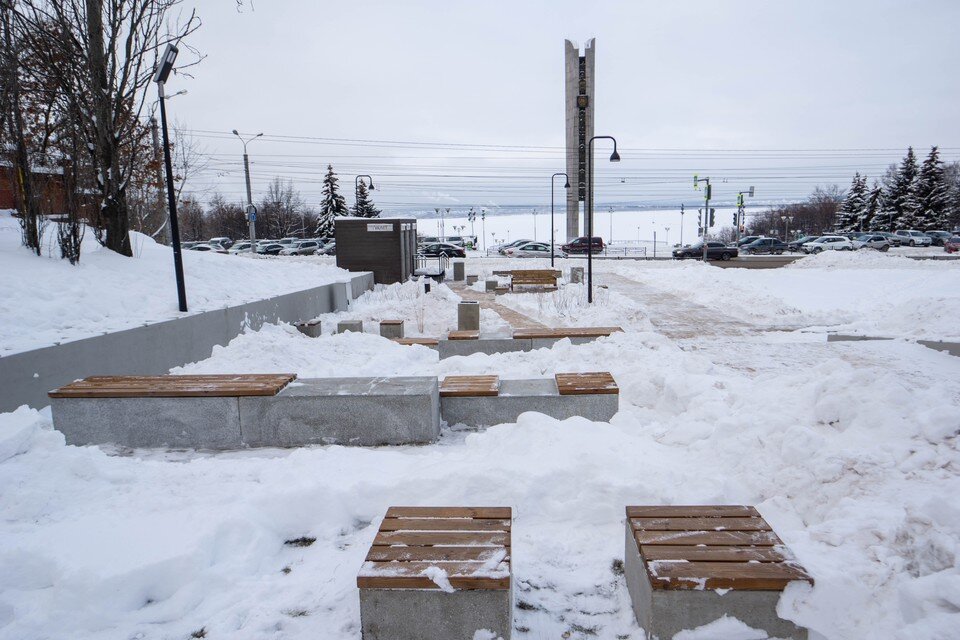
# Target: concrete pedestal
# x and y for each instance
(391, 328)
(310, 329)
(472, 279)
(468, 316)
(350, 325)
(519, 396)
(576, 275)
(490, 285)
(458, 270)
(431, 614)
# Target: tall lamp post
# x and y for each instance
(163, 72)
(614, 157)
(741, 211)
(356, 189)
(566, 185)
(251, 210)
(483, 228)
(534, 225)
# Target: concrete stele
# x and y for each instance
(468, 316)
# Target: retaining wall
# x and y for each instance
(153, 349)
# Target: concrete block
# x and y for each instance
(450, 348)
(472, 279)
(310, 329)
(490, 285)
(519, 396)
(432, 614)
(576, 275)
(468, 316)
(662, 613)
(391, 329)
(195, 423)
(350, 325)
(458, 270)
(346, 411)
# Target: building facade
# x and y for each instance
(579, 108)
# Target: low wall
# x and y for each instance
(153, 349)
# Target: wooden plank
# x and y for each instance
(749, 576)
(449, 512)
(586, 383)
(713, 554)
(444, 524)
(437, 554)
(391, 322)
(693, 511)
(175, 386)
(700, 524)
(409, 575)
(469, 386)
(721, 538)
(463, 335)
(427, 342)
(566, 332)
(444, 538)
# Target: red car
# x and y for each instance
(580, 245)
(952, 245)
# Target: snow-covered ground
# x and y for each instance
(729, 394)
(44, 300)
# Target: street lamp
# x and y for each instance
(163, 72)
(356, 191)
(667, 229)
(534, 225)
(614, 157)
(566, 185)
(251, 210)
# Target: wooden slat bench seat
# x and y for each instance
(706, 551)
(469, 386)
(545, 278)
(464, 335)
(427, 342)
(189, 386)
(566, 332)
(453, 561)
(573, 384)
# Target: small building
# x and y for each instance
(385, 246)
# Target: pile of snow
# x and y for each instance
(44, 300)
(568, 307)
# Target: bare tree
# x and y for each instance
(282, 209)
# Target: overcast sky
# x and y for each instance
(753, 82)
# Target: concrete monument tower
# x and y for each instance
(579, 112)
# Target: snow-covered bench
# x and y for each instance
(687, 566)
(438, 573)
(488, 400)
(543, 278)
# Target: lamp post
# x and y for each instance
(707, 194)
(356, 191)
(251, 210)
(681, 224)
(566, 185)
(483, 228)
(667, 229)
(614, 157)
(534, 225)
(163, 72)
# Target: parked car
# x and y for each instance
(457, 240)
(796, 245)
(894, 239)
(824, 243)
(208, 247)
(914, 238)
(428, 240)
(223, 241)
(329, 249)
(773, 246)
(269, 249)
(442, 249)
(240, 247)
(744, 241)
(289, 240)
(952, 245)
(580, 246)
(871, 241)
(188, 245)
(715, 251)
(530, 250)
(938, 238)
(502, 249)
(301, 248)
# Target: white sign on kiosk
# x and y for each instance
(380, 227)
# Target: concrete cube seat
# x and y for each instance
(686, 566)
(391, 328)
(487, 400)
(438, 573)
(311, 329)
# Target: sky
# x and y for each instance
(458, 104)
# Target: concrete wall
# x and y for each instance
(26, 377)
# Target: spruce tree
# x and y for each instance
(932, 193)
(872, 219)
(850, 213)
(331, 206)
(364, 207)
(900, 199)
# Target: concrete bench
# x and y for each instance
(438, 573)
(426, 342)
(391, 328)
(544, 278)
(458, 344)
(234, 411)
(464, 335)
(487, 400)
(686, 566)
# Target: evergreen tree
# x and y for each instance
(364, 207)
(872, 220)
(900, 200)
(932, 193)
(331, 206)
(850, 213)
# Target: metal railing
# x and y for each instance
(437, 265)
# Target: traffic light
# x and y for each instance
(735, 216)
(709, 191)
(712, 212)
(700, 218)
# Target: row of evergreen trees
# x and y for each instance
(333, 204)
(910, 197)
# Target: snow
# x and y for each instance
(848, 449)
(725, 628)
(45, 300)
